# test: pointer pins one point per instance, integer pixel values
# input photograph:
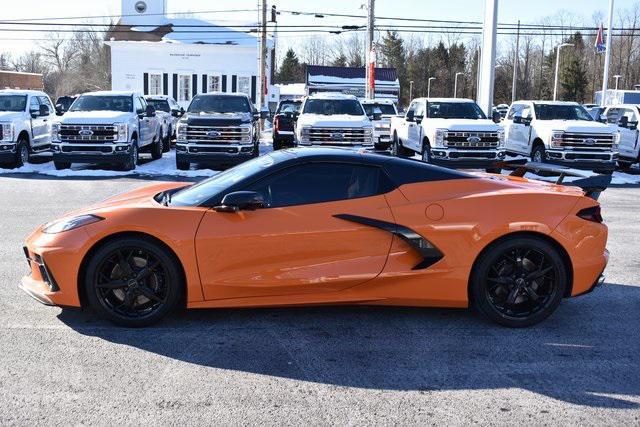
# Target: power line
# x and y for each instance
(198, 12)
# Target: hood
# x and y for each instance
(91, 117)
(9, 116)
(342, 120)
(574, 126)
(483, 125)
(217, 119)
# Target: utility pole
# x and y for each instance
(455, 84)
(617, 77)
(370, 63)
(429, 86)
(555, 80)
(410, 90)
(515, 65)
(487, 76)
(607, 55)
(263, 60)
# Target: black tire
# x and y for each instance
(133, 282)
(624, 165)
(133, 158)
(166, 142)
(426, 152)
(22, 154)
(397, 149)
(518, 281)
(61, 165)
(538, 154)
(277, 144)
(183, 166)
(157, 148)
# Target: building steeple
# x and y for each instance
(143, 12)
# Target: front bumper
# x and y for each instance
(7, 152)
(466, 159)
(587, 160)
(284, 136)
(94, 153)
(217, 154)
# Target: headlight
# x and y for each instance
(615, 141)
(55, 132)
(181, 132)
(304, 130)
(440, 134)
(555, 140)
(246, 134)
(69, 223)
(8, 132)
(501, 138)
(123, 132)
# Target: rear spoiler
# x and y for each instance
(591, 184)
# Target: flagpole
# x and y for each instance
(607, 55)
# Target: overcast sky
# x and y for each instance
(509, 11)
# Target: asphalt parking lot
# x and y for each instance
(335, 365)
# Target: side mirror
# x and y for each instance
(241, 201)
(59, 109)
(295, 115)
(417, 119)
(44, 110)
(410, 116)
(376, 115)
(623, 122)
(175, 113)
(517, 118)
(151, 111)
(182, 111)
(496, 117)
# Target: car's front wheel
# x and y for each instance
(133, 282)
(519, 281)
(157, 148)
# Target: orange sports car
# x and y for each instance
(327, 226)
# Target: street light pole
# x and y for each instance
(410, 90)
(429, 86)
(455, 85)
(555, 82)
(617, 77)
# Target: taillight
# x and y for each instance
(276, 123)
(591, 214)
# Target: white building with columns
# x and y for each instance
(155, 54)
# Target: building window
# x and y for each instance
(155, 84)
(244, 84)
(215, 83)
(184, 87)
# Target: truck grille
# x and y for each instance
(94, 134)
(471, 140)
(218, 134)
(588, 141)
(338, 136)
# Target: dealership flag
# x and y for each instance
(601, 45)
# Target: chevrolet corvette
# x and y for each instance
(327, 226)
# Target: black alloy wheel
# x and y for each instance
(133, 282)
(519, 282)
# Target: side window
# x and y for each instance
(318, 183)
(526, 112)
(419, 110)
(34, 105)
(137, 105)
(631, 115)
(413, 107)
(515, 108)
(613, 115)
(45, 101)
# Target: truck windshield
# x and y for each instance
(289, 106)
(328, 107)
(455, 110)
(219, 104)
(103, 103)
(385, 109)
(160, 104)
(561, 112)
(13, 102)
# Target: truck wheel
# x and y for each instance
(157, 147)
(183, 166)
(132, 161)
(538, 154)
(426, 152)
(277, 144)
(624, 165)
(61, 165)
(166, 144)
(22, 154)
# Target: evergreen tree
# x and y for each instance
(394, 55)
(574, 80)
(340, 61)
(290, 70)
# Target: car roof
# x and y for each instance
(444, 99)
(331, 95)
(112, 93)
(546, 102)
(377, 101)
(22, 92)
(623, 106)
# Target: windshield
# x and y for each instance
(561, 112)
(219, 104)
(13, 102)
(204, 190)
(455, 110)
(328, 107)
(385, 109)
(289, 107)
(159, 104)
(103, 103)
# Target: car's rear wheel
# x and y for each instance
(133, 282)
(157, 148)
(183, 166)
(519, 281)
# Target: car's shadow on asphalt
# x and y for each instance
(587, 353)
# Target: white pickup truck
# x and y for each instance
(333, 119)
(562, 133)
(106, 127)
(452, 132)
(625, 117)
(382, 127)
(25, 125)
